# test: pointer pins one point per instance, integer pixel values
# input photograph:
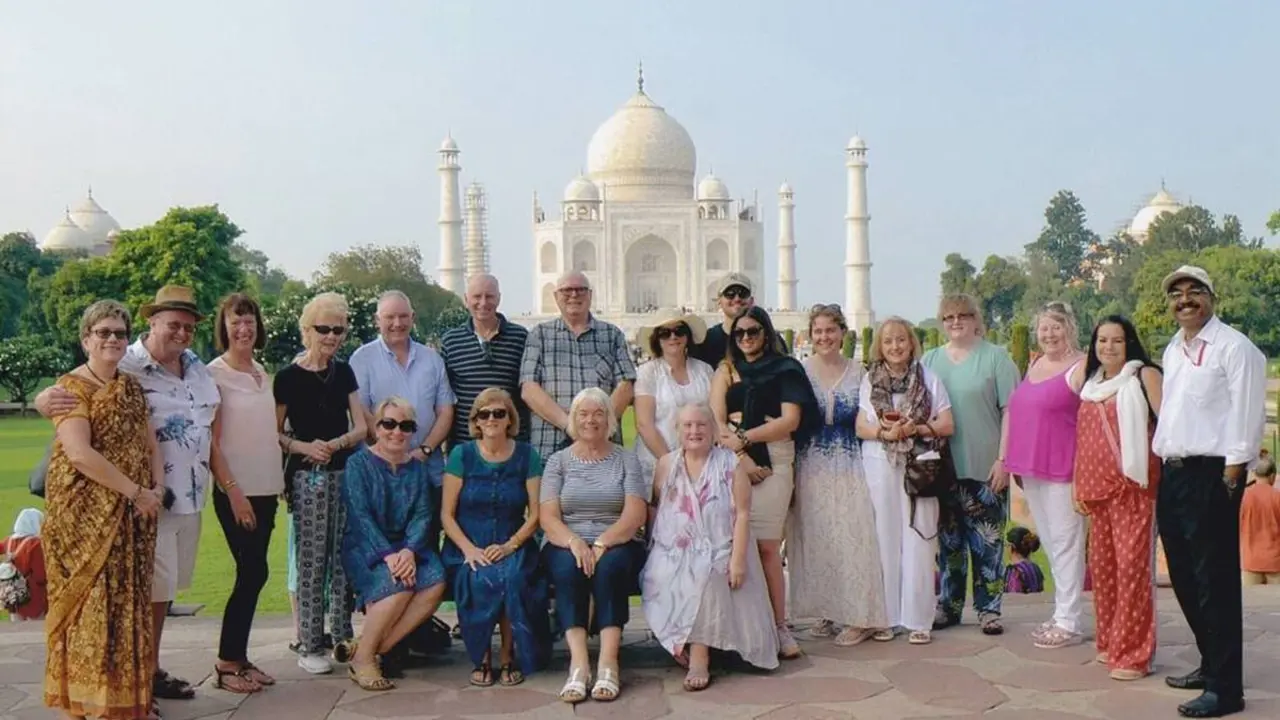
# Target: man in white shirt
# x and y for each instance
(1210, 431)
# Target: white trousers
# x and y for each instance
(907, 560)
(1062, 533)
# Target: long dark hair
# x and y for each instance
(757, 313)
(1133, 349)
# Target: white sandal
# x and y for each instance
(606, 688)
(575, 688)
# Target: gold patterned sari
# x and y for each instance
(100, 558)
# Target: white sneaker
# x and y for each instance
(315, 663)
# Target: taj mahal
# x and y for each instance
(646, 235)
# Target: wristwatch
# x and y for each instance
(426, 449)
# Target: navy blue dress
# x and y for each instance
(491, 508)
(387, 511)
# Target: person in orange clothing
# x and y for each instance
(1260, 527)
(28, 557)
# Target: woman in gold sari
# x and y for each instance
(103, 491)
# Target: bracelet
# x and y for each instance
(136, 493)
(226, 487)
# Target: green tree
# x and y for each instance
(1273, 223)
(959, 275)
(267, 279)
(74, 287)
(932, 338)
(25, 361)
(1066, 238)
(846, 348)
(867, 336)
(396, 267)
(284, 339)
(1193, 229)
(1019, 346)
(1000, 287)
(19, 258)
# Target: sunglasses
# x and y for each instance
(406, 426)
(329, 329)
(496, 414)
(735, 292)
(665, 333)
(750, 333)
(104, 333)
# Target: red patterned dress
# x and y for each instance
(1121, 538)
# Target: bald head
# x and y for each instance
(483, 297)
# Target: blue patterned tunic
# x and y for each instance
(387, 511)
(491, 508)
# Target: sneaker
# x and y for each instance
(315, 663)
(1057, 637)
(823, 629)
(788, 648)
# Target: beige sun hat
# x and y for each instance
(668, 317)
(173, 297)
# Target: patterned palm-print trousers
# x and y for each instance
(319, 519)
(973, 520)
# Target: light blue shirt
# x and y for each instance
(422, 381)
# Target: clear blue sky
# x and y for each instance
(315, 124)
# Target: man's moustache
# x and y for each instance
(1188, 306)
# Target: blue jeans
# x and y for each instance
(616, 578)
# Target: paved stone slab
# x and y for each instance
(948, 686)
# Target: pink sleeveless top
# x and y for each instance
(1042, 429)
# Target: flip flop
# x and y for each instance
(508, 676)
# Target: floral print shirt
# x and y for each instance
(182, 410)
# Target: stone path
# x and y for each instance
(963, 675)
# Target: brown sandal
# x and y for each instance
(482, 675)
(255, 673)
(369, 678)
(240, 684)
(508, 676)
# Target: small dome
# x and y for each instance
(785, 189)
(580, 189)
(66, 235)
(93, 220)
(857, 143)
(642, 153)
(1160, 204)
(448, 145)
(712, 188)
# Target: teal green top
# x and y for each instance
(979, 386)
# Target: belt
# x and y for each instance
(1194, 460)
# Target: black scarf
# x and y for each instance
(763, 372)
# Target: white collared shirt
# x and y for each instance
(1214, 396)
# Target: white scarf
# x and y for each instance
(1131, 410)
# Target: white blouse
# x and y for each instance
(654, 380)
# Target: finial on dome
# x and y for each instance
(91, 191)
(640, 76)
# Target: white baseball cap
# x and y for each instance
(1187, 272)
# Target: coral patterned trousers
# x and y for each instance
(1121, 559)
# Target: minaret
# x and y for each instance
(786, 249)
(857, 264)
(476, 250)
(449, 274)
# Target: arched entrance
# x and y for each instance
(650, 267)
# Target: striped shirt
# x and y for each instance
(475, 365)
(591, 492)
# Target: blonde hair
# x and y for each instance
(591, 395)
(877, 349)
(703, 408)
(326, 303)
(399, 403)
(832, 312)
(104, 310)
(1061, 313)
(487, 397)
(962, 303)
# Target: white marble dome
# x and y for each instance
(1160, 204)
(93, 220)
(785, 189)
(67, 235)
(581, 189)
(857, 143)
(642, 153)
(449, 145)
(713, 188)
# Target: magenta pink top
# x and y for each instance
(1042, 429)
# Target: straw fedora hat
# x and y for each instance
(669, 317)
(173, 297)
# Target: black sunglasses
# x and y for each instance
(327, 329)
(680, 330)
(104, 333)
(751, 332)
(496, 414)
(736, 292)
(408, 426)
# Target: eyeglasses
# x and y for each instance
(495, 413)
(1193, 293)
(405, 426)
(749, 333)
(826, 307)
(735, 292)
(957, 317)
(665, 333)
(104, 333)
(573, 291)
(176, 327)
(329, 329)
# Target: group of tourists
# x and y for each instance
(492, 472)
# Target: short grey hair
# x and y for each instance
(591, 396)
(564, 279)
(104, 310)
(701, 407)
(484, 278)
(395, 295)
(1061, 313)
(399, 403)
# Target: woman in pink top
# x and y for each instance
(1041, 457)
(245, 432)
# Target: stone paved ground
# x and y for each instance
(963, 675)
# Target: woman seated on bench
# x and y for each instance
(592, 507)
(391, 564)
